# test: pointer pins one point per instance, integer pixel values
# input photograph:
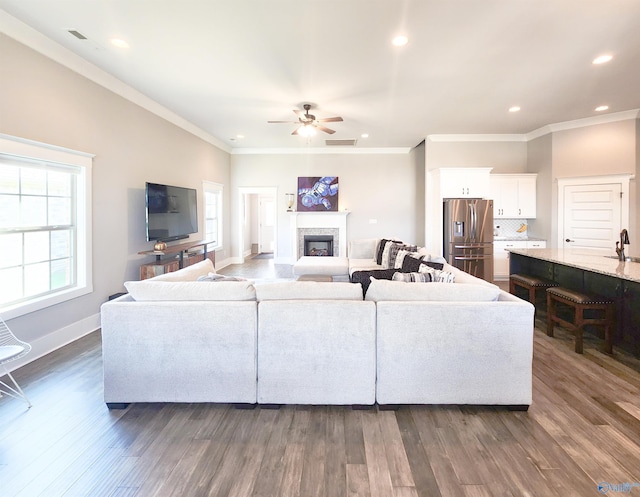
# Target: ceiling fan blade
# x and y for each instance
(288, 122)
(299, 113)
(330, 120)
(326, 130)
(295, 131)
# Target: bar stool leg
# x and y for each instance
(551, 311)
(532, 295)
(579, 329)
(608, 331)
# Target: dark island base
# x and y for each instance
(625, 293)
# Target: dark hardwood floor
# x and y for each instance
(582, 430)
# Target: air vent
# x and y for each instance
(77, 34)
(340, 143)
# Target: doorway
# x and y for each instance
(257, 228)
(592, 212)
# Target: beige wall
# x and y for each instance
(372, 187)
(539, 160)
(502, 156)
(42, 100)
(603, 149)
(595, 150)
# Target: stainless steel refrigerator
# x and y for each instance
(468, 235)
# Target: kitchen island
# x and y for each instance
(590, 273)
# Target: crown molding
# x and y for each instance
(583, 123)
(478, 138)
(28, 36)
(321, 151)
(544, 130)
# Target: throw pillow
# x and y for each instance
(381, 247)
(411, 263)
(437, 275)
(412, 277)
(402, 252)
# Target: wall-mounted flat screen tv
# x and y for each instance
(172, 212)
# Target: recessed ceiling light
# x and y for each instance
(239, 137)
(365, 135)
(601, 108)
(602, 59)
(400, 41)
(515, 108)
(119, 42)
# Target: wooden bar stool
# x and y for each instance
(580, 303)
(529, 283)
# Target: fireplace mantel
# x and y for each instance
(319, 220)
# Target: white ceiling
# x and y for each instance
(230, 66)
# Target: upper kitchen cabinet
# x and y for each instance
(514, 195)
(463, 182)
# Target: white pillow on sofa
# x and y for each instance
(153, 290)
(189, 273)
(380, 290)
(364, 248)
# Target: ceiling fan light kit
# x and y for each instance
(308, 124)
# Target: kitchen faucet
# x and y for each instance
(624, 240)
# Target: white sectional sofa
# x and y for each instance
(175, 339)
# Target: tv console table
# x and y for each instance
(176, 257)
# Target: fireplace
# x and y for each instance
(326, 224)
(318, 245)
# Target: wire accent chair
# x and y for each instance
(11, 348)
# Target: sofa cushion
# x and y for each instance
(362, 265)
(215, 277)
(380, 290)
(364, 248)
(189, 273)
(308, 290)
(151, 290)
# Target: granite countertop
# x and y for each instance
(584, 259)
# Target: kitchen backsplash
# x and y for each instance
(510, 228)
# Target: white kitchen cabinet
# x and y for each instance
(501, 254)
(514, 196)
(463, 182)
(536, 244)
(501, 257)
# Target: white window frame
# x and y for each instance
(218, 189)
(23, 149)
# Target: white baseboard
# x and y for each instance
(59, 338)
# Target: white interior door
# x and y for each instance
(592, 216)
(266, 231)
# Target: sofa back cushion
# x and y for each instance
(189, 273)
(364, 248)
(308, 290)
(153, 290)
(384, 290)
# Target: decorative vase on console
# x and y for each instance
(290, 202)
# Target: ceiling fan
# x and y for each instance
(307, 123)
